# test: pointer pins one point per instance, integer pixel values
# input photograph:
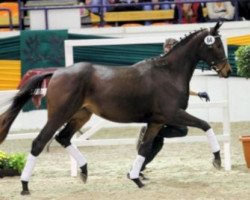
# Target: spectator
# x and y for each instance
(220, 11)
(83, 11)
(244, 9)
(154, 7)
(98, 10)
(189, 13)
(130, 5)
(126, 5)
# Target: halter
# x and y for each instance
(209, 41)
(213, 65)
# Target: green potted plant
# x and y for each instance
(11, 164)
(243, 69)
(243, 61)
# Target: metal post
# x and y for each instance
(10, 20)
(102, 12)
(20, 15)
(10, 17)
(46, 18)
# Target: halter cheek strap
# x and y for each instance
(209, 40)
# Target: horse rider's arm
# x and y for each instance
(193, 93)
(202, 95)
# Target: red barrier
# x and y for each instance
(38, 93)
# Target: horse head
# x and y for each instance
(212, 51)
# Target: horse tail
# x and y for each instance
(18, 101)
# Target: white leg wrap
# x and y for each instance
(136, 168)
(29, 166)
(77, 155)
(213, 140)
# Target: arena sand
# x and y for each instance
(181, 171)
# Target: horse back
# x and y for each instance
(138, 93)
(122, 94)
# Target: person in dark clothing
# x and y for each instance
(155, 6)
(190, 13)
(129, 7)
(244, 9)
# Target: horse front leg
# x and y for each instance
(184, 118)
(143, 152)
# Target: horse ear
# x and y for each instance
(216, 27)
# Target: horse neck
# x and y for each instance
(183, 65)
(183, 60)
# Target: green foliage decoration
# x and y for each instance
(14, 161)
(243, 61)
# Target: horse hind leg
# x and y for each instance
(65, 135)
(38, 145)
(143, 152)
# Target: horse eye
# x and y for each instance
(219, 45)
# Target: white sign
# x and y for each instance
(209, 40)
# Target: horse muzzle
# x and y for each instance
(223, 69)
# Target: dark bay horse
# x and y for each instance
(154, 91)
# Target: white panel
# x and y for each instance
(57, 19)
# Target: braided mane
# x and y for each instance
(161, 60)
(187, 38)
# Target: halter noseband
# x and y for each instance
(213, 65)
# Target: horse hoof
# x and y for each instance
(83, 177)
(217, 163)
(143, 177)
(137, 181)
(84, 173)
(25, 192)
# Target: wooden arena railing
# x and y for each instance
(121, 16)
(134, 16)
(239, 40)
(126, 16)
(10, 74)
